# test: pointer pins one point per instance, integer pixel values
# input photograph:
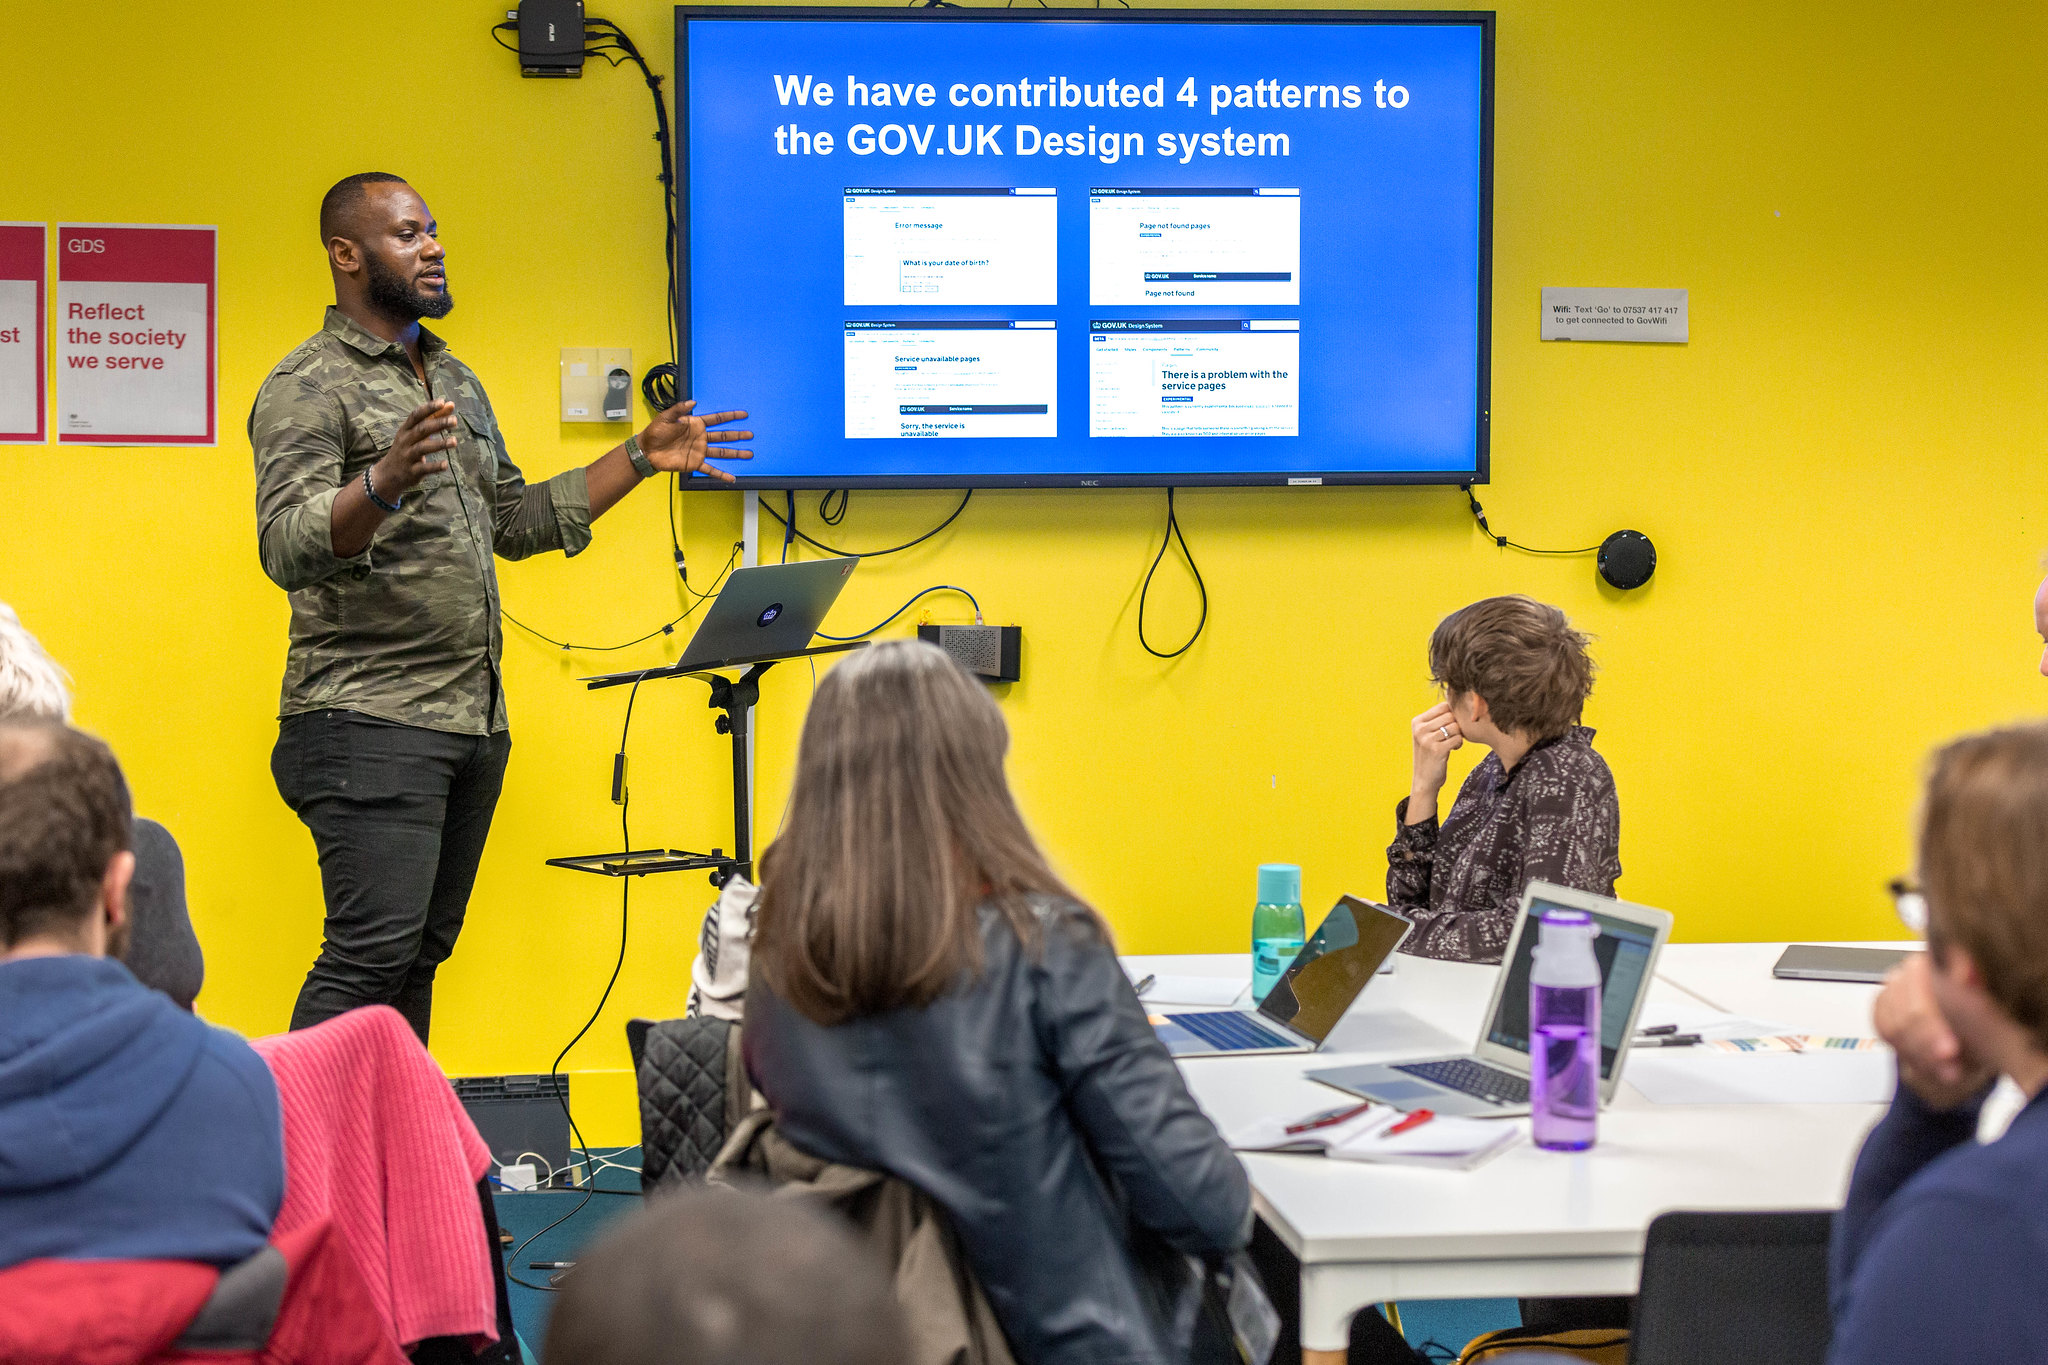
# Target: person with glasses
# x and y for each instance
(1939, 1249)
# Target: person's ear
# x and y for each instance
(344, 255)
(114, 889)
(1477, 705)
(1955, 963)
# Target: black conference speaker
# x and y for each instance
(1627, 559)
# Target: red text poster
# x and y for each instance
(23, 375)
(135, 345)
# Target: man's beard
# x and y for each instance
(396, 297)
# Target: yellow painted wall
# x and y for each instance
(1843, 473)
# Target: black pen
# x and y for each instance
(1656, 1031)
(1670, 1040)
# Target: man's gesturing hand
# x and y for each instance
(680, 442)
(420, 449)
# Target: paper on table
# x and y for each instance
(1191, 990)
(1709, 1024)
(1797, 1042)
(1449, 1143)
(1268, 1132)
(1697, 1076)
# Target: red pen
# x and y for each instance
(1328, 1118)
(1414, 1120)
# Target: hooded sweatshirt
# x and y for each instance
(129, 1129)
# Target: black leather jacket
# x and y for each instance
(1036, 1105)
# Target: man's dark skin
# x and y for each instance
(394, 226)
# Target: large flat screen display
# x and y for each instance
(951, 248)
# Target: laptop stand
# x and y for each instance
(734, 699)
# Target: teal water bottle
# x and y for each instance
(1278, 930)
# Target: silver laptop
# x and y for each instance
(769, 612)
(1823, 962)
(765, 611)
(1342, 955)
(1493, 1079)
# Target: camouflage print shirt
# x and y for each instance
(408, 630)
(1555, 818)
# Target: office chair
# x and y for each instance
(1728, 1287)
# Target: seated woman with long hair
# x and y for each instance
(928, 999)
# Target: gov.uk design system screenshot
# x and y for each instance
(938, 258)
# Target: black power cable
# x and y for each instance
(661, 387)
(926, 592)
(1479, 515)
(590, 1189)
(602, 38)
(789, 529)
(1172, 535)
(667, 629)
(625, 907)
(662, 384)
(790, 535)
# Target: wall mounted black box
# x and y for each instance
(991, 653)
(551, 37)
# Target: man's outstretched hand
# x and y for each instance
(681, 442)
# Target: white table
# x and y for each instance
(1530, 1223)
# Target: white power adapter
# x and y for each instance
(523, 1177)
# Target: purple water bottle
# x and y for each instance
(1564, 1032)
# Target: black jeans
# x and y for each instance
(399, 815)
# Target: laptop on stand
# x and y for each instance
(1309, 998)
(1492, 1081)
(764, 613)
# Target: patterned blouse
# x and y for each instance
(1554, 818)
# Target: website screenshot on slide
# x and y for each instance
(1194, 377)
(917, 378)
(951, 248)
(1194, 247)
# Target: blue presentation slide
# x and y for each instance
(1055, 251)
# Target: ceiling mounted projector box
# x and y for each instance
(550, 37)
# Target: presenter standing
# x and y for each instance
(383, 490)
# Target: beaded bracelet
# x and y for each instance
(371, 489)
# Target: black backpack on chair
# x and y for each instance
(693, 1093)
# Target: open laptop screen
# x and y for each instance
(1623, 950)
(1333, 967)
